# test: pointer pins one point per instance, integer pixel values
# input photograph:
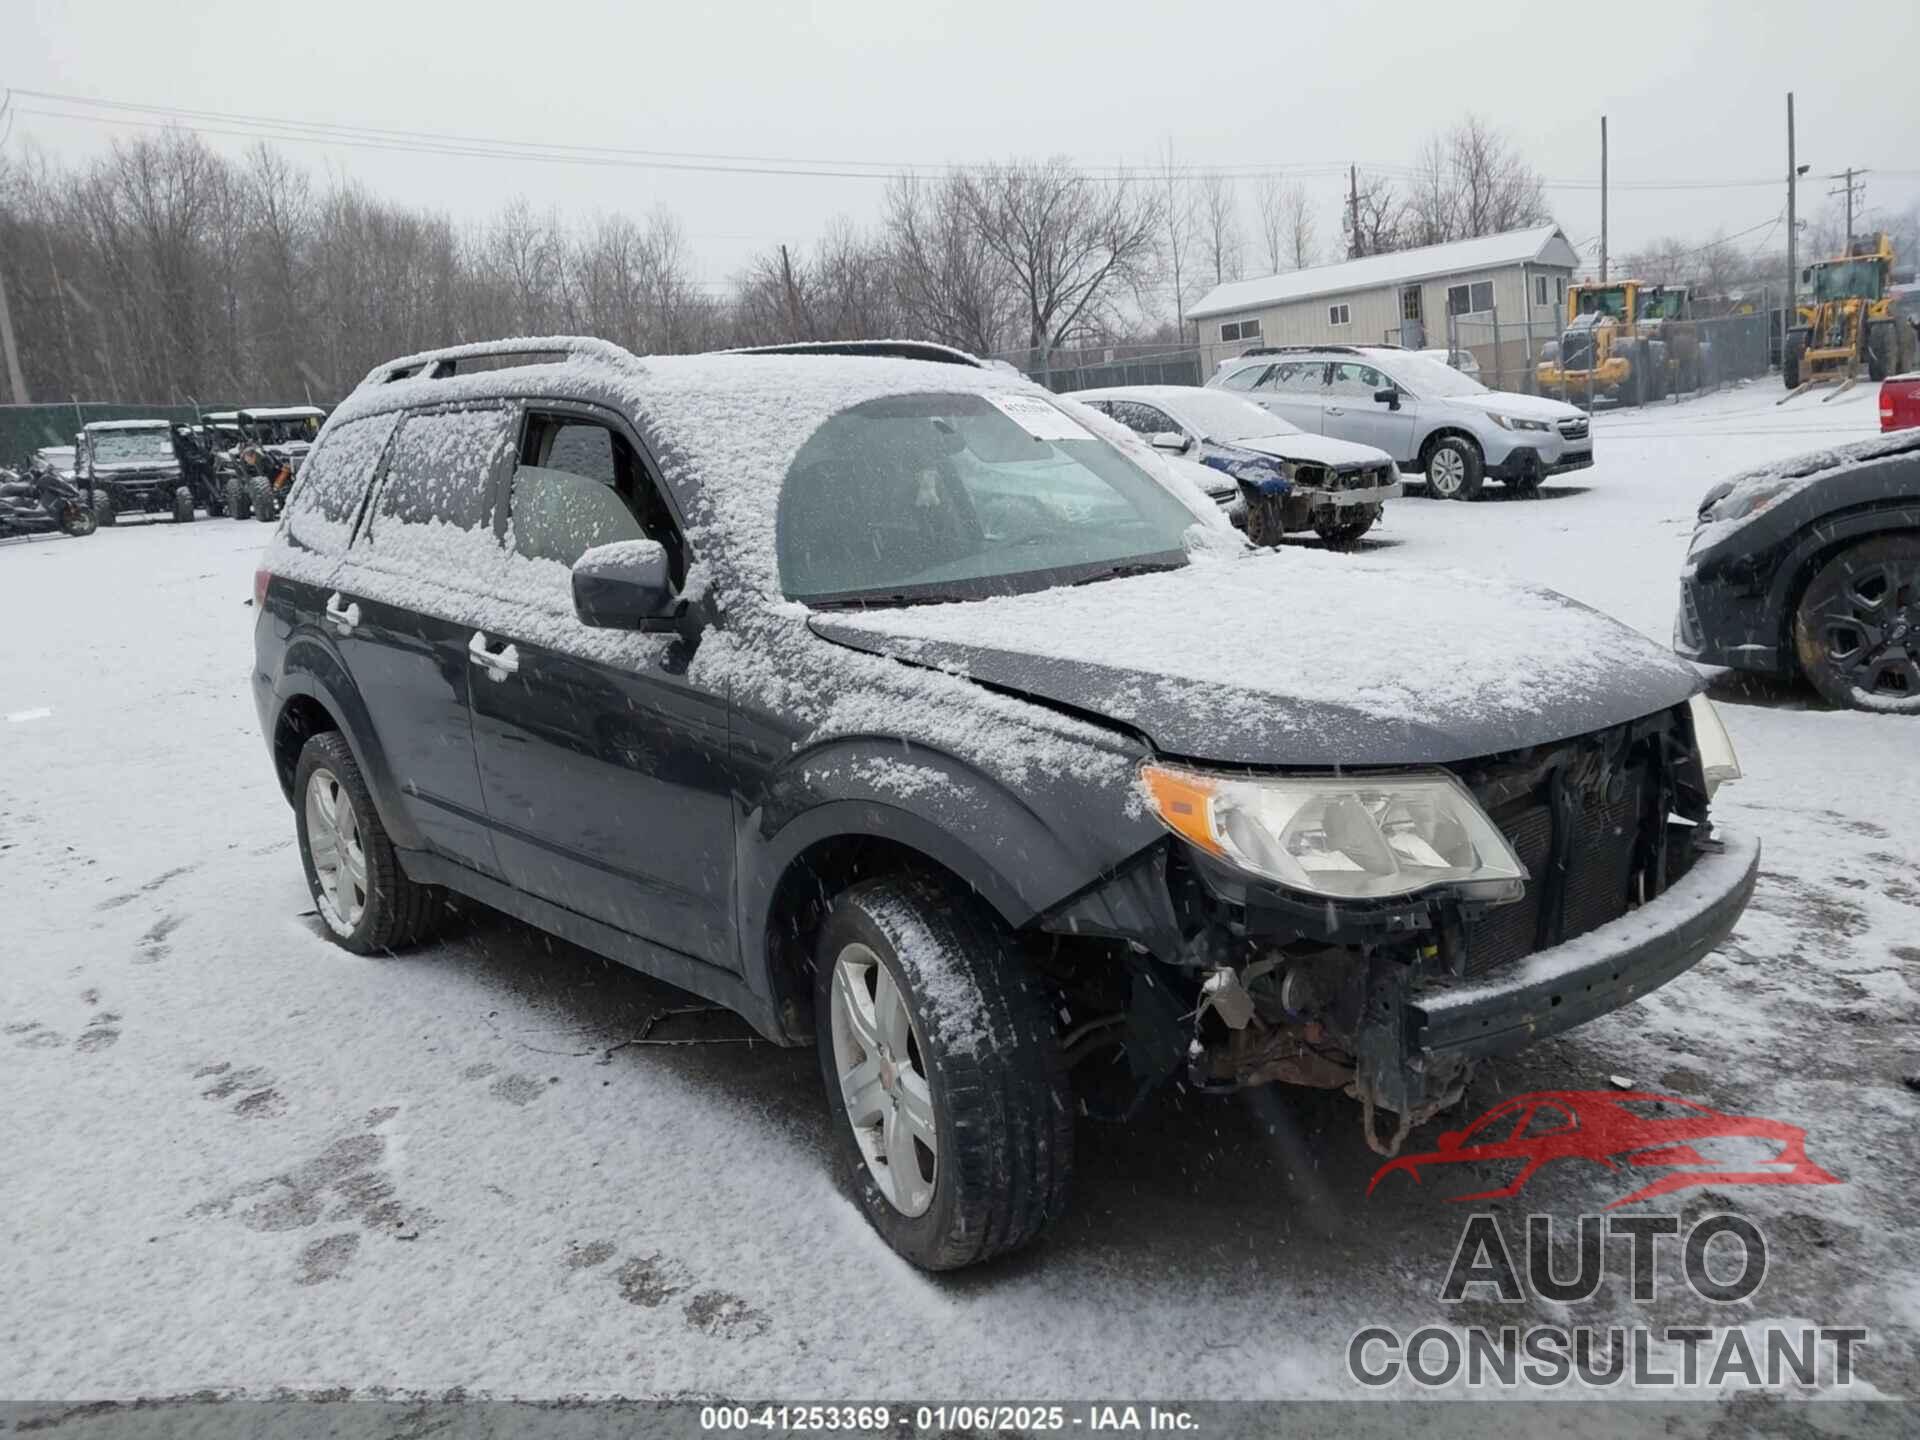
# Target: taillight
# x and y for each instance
(262, 578)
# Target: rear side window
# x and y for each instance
(333, 482)
(442, 470)
(1246, 377)
(1143, 419)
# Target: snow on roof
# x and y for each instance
(1486, 252)
(130, 425)
(282, 412)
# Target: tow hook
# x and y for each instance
(1389, 1148)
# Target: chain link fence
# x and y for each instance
(1096, 367)
(1702, 355)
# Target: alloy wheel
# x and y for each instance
(335, 847)
(1868, 627)
(1447, 472)
(882, 1070)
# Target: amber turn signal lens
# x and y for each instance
(1180, 799)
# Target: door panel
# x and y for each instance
(1295, 390)
(413, 581)
(605, 771)
(1351, 412)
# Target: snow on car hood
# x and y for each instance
(1733, 502)
(1526, 407)
(1298, 659)
(1317, 449)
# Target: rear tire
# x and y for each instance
(182, 506)
(1856, 631)
(1455, 469)
(237, 503)
(1348, 530)
(79, 521)
(261, 497)
(974, 1049)
(1638, 381)
(364, 898)
(105, 512)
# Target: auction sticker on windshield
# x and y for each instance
(1038, 418)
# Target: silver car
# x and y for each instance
(1428, 416)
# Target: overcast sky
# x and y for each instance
(1694, 92)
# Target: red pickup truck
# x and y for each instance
(1900, 402)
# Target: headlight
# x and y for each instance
(1717, 759)
(1356, 837)
(1514, 422)
(1748, 500)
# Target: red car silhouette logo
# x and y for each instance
(1628, 1129)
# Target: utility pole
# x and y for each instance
(793, 302)
(1791, 313)
(1851, 188)
(1603, 199)
(1353, 206)
(15, 380)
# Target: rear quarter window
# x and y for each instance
(333, 482)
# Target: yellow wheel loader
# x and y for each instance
(1601, 352)
(1845, 319)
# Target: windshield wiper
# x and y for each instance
(1133, 567)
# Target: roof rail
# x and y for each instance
(1260, 350)
(537, 350)
(874, 349)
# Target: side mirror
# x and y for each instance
(1389, 397)
(626, 586)
(1171, 440)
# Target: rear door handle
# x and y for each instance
(344, 615)
(500, 663)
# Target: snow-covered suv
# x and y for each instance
(918, 716)
(1428, 416)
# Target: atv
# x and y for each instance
(258, 469)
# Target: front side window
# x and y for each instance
(579, 484)
(960, 495)
(1355, 381)
(1141, 418)
(1298, 377)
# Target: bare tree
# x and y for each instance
(1179, 228)
(951, 285)
(1374, 219)
(1071, 244)
(1286, 224)
(1219, 208)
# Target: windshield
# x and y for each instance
(932, 496)
(1847, 280)
(1424, 376)
(1611, 300)
(1226, 417)
(120, 447)
(1661, 304)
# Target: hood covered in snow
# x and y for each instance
(1314, 449)
(1526, 407)
(1298, 659)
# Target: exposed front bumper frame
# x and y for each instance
(1556, 989)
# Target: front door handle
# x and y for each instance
(500, 663)
(1335, 410)
(342, 613)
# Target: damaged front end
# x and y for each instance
(1289, 931)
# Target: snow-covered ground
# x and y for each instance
(233, 1156)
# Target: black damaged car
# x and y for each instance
(1811, 568)
(928, 720)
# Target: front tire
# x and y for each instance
(1883, 351)
(1856, 632)
(260, 494)
(182, 505)
(1455, 469)
(945, 1084)
(1793, 359)
(238, 506)
(365, 899)
(105, 512)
